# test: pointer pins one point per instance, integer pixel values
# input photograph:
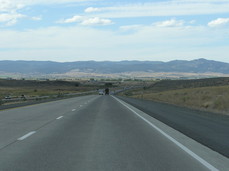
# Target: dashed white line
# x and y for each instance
(73, 110)
(26, 136)
(59, 117)
(195, 156)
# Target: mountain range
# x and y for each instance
(108, 67)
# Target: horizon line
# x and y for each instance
(109, 60)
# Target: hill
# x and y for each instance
(210, 94)
(108, 67)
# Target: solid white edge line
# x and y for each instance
(26, 136)
(59, 117)
(195, 156)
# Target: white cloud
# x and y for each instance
(218, 22)
(10, 6)
(8, 12)
(91, 9)
(87, 21)
(13, 5)
(36, 18)
(43, 2)
(9, 9)
(76, 18)
(165, 8)
(88, 43)
(96, 21)
(10, 19)
(130, 27)
(169, 23)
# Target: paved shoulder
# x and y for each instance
(207, 128)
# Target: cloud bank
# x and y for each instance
(164, 8)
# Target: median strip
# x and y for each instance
(195, 156)
(26, 136)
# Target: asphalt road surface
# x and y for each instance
(88, 133)
(207, 128)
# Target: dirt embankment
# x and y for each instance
(204, 94)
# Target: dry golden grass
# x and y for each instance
(30, 91)
(207, 98)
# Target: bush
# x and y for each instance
(77, 84)
(128, 94)
(108, 84)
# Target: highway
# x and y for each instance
(96, 133)
(207, 128)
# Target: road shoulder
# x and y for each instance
(215, 159)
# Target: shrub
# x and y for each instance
(77, 84)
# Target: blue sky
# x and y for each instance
(114, 30)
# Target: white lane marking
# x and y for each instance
(26, 136)
(81, 105)
(73, 110)
(195, 156)
(59, 117)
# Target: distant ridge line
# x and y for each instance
(108, 67)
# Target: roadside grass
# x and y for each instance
(18, 91)
(40, 91)
(214, 98)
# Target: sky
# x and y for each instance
(114, 30)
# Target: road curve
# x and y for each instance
(86, 133)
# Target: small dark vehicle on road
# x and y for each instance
(107, 91)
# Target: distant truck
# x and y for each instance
(107, 91)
